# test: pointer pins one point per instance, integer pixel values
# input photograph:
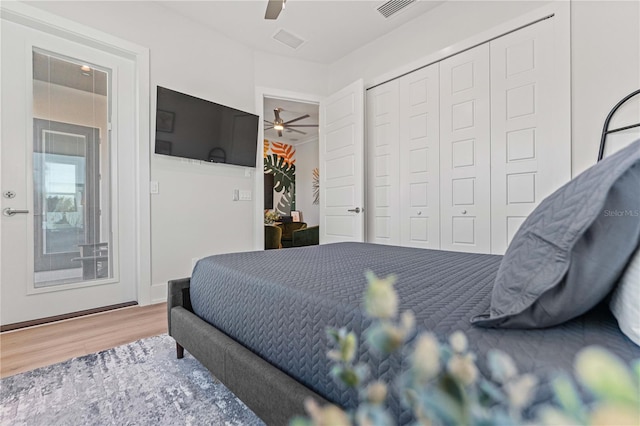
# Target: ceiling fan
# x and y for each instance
(279, 124)
(274, 7)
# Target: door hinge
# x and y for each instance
(109, 126)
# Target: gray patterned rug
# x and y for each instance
(141, 383)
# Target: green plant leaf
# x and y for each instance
(284, 174)
(566, 395)
(300, 421)
(606, 375)
(284, 205)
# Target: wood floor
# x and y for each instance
(33, 347)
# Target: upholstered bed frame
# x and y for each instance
(273, 395)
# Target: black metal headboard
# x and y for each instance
(605, 129)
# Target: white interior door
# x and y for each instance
(383, 182)
(342, 165)
(465, 170)
(67, 176)
(420, 158)
(527, 161)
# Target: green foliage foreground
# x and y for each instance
(443, 386)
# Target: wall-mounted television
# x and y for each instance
(195, 128)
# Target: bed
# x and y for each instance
(258, 320)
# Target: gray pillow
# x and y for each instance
(570, 252)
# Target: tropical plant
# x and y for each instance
(284, 173)
(443, 386)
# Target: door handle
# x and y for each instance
(356, 210)
(10, 212)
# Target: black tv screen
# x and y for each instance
(195, 128)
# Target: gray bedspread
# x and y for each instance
(278, 303)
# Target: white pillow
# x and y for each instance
(625, 300)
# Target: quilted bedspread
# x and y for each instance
(278, 303)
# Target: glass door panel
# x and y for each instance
(70, 171)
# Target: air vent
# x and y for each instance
(288, 39)
(393, 6)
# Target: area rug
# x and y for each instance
(141, 383)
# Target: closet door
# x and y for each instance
(465, 180)
(527, 161)
(420, 159)
(382, 213)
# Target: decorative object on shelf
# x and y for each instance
(442, 384)
(164, 121)
(315, 186)
(296, 215)
(271, 216)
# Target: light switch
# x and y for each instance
(236, 194)
(154, 188)
(245, 195)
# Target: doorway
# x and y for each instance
(69, 163)
(291, 172)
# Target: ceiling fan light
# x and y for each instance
(278, 126)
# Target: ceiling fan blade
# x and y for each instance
(296, 119)
(302, 125)
(276, 112)
(274, 7)
(294, 130)
(280, 133)
(268, 128)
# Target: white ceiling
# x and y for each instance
(289, 111)
(331, 28)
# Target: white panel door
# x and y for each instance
(342, 165)
(465, 181)
(68, 155)
(527, 161)
(383, 197)
(420, 159)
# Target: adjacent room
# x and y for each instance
(310, 212)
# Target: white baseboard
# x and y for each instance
(158, 293)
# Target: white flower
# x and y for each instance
(463, 368)
(426, 357)
(520, 391)
(458, 342)
(381, 300)
(376, 392)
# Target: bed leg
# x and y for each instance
(179, 351)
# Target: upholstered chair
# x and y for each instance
(287, 232)
(272, 237)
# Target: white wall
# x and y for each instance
(194, 215)
(443, 26)
(605, 55)
(307, 158)
(281, 72)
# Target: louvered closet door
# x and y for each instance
(527, 162)
(420, 159)
(465, 182)
(383, 197)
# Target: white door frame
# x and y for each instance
(261, 93)
(38, 19)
